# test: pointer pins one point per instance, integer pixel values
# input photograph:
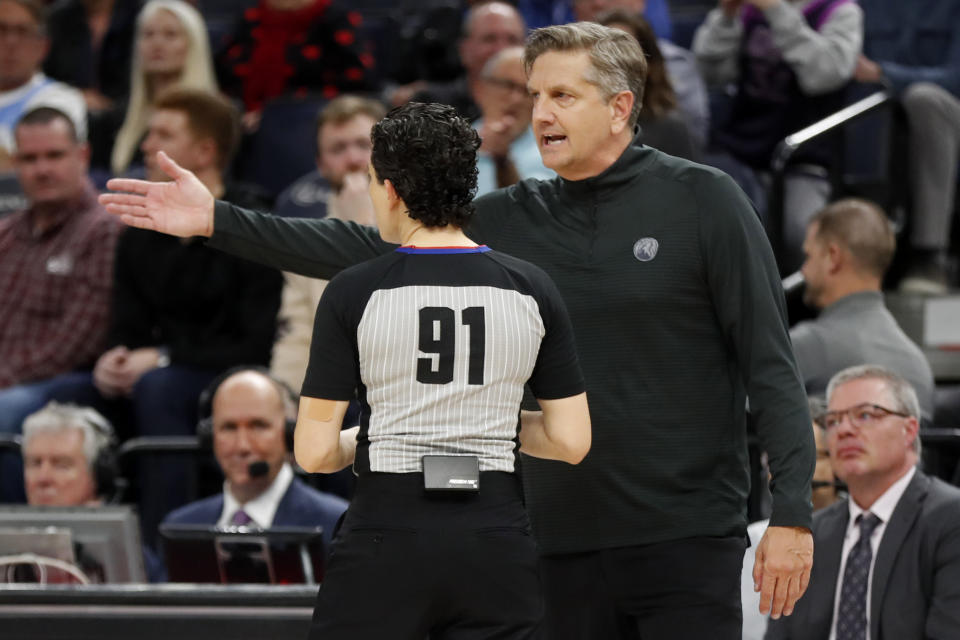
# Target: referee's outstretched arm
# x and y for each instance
(318, 443)
(559, 431)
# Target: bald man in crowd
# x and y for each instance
(488, 28)
(248, 421)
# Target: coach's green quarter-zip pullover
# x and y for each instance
(678, 313)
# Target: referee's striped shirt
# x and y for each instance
(437, 344)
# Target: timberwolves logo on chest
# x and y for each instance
(645, 249)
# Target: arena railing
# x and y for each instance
(834, 123)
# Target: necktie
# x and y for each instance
(852, 612)
(240, 518)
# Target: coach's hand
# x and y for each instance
(782, 568)
(182, 207)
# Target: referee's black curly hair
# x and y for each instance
(429, 153)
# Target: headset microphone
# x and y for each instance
(258, 469)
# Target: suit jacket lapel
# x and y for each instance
(217, 509)
(286, 513)
(826, 564)
(901, 522)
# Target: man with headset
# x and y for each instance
(68, 457)
(246, 415)
(69, 460)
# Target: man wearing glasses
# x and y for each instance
(508, 152)
(23, 87)
(888, 559)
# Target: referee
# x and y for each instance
(439, 338)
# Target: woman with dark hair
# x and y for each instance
(661, 124)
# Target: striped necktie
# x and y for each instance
(852, 612)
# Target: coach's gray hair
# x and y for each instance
(617, 62)
(903, 394)
(56, 418)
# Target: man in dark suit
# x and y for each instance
(888, 559)
(248, 422)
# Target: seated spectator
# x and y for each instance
(343, 156)
(823, 494)
(661, 124)
(182, 313)
(67, 457)
(198, 129)
(791, 61)
(888, 558)
(56, 274)
(915, 49)
(508, 149)
(171, 50)
(338, 188)
(681, 64)
(23, 87)
(849, 246)
(487, 28)
(826, 489)
(251, 423)
(68, 461)
(293, 47)
(90, 46)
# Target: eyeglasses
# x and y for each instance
(507, 85)
(861, 416)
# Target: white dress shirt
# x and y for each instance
(883, 509)
(262, 508)
(754, 622)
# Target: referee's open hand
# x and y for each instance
(781, 572)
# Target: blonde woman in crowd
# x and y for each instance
(171, 49)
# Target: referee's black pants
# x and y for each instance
(407, 565)
(678, 590)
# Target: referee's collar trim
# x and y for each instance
(425, 250)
